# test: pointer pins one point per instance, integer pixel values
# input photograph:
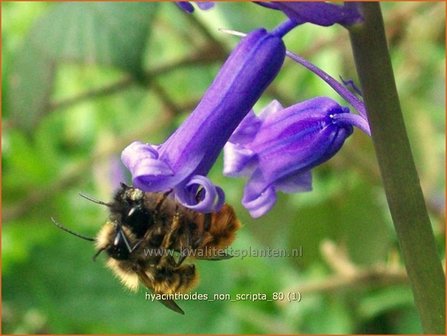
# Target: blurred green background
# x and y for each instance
(83, 80)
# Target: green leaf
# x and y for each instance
(111, 34)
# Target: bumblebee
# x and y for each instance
(148, 237)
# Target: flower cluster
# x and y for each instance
(276, 149)
(182, 162)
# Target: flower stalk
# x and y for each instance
(400, 179)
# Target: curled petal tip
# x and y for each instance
(258, 205)
(136, 151)
(149, 172)
(200, 194)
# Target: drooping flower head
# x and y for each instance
(182, 162)
(318, 12)
(278, 148)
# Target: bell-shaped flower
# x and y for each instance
(278, 148)
(182, 162)
(318, 12)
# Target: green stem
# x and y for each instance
(400, 179)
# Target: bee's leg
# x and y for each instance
(157, 208)
(97, 253)
(124, 237)
(161, 200)
(207, 222)
(183, 252)
(167, 243)
(204, 241)
(180, 260)
(206, 226)
(138, 243)
(175, 225)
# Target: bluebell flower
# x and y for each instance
(278, 148)
(182, 162)
(189, 8)
(319, 13)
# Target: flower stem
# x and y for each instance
(284, 28)
(339, 88)
(400, 179)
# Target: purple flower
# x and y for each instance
(182, 162)
(319, 13)
(188, 7)
(278, 148)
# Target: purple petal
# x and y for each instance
(298, 147)
(136, 151)
(149, 171)
(250, 125)
(200, 194)
(237, 160)
(247, 129)
(257, 59)
(189, 8)
(185, 5)
(294, 183)
(274, 107)
(205, 5)
(258, 204)
(321, 13)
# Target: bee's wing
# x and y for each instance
(168, 303)
(173, 306)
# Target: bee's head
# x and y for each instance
(129, 209)
(128, 220)
(126, 199)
